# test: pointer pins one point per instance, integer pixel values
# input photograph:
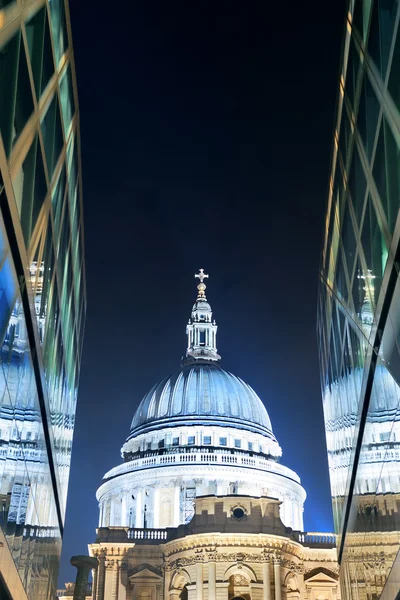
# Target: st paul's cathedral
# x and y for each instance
(202, 507)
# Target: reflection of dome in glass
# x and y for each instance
(202, 393)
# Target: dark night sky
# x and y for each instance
(206, 139)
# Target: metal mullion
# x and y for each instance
(14, 16)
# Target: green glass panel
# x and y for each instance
(345, 135)
(385, 173)
(35, 38)
(375, 251)
(57, 200)
(67, 99)
(9, 58)
(48, 61)
(381, 31)
(58, 27)
(24, 100)
(33, 189)
(52, 135)
(367, 118)
(357, 185)
(349, 239)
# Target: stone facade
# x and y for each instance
(234, 547)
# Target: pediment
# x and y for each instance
(319, 576)
(146, 574)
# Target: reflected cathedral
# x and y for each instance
(202, 506)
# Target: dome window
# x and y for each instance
(161, 444)
(238, 513)
(207, 439)
(250, 445)
(175, 441)
(191, 440)
(223, 441)
(238, 443)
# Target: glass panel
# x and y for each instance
(57, 200)
(367, 119)
(24, 100)
(48, 62)
(375, 252)
(52, 135)
(67, 100)
(357, 185)
(348, 240)
(345, 135)
(9, 57)
(57, 17)
(43, 284)
(381, 31)
(35, 38)
(391, 157)
(30, 189)
(352, 75)
(340, 277)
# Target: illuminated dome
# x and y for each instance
(198, 432)
(202, 394)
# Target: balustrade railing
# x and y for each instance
(146, 535)
(222, 458)
(316, 539)
(139, 534)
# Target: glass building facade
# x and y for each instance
(359, 304)
(42, 289)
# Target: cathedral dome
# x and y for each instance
(202, 393)
(201, 431)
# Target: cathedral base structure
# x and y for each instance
(235, 547)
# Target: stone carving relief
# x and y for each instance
(239, 579)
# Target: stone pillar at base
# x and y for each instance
(84, 564)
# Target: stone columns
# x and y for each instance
(277, 577)
(84, 564)
(212, 576)
(177, 504)
(101, 578)
(115, 584)
(112, 511)
(94, 585)
(156, 507)
(124, 511)
(139, 510)
(266, 579)
(167, 581)
(199, 581)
